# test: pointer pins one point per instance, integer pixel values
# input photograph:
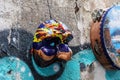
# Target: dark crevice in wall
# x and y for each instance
(4, 43)
(49, 9)
(76, 7)
(79, 48)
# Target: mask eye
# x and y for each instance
(52, 42)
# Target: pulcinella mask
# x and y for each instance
(50, 43)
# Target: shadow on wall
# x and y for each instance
(79, 48)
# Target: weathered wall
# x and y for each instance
(20, 18)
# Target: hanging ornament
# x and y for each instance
(105, 37)
(50, 47)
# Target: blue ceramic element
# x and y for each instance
(41, 26)
(49, 51)
(113, 24)
(12, 68)
(110, 35)
(63, 48)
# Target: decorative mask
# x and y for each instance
(50, 43)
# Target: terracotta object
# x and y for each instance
(50, 43)
(105, 38)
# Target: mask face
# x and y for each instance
(50, 41)
(105, 38)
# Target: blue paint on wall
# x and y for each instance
(12, 68)
(72, 68)
(71, 72)
(87, 57)
(112, 75)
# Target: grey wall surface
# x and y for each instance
(19, 20)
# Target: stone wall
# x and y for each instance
(20, 18)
